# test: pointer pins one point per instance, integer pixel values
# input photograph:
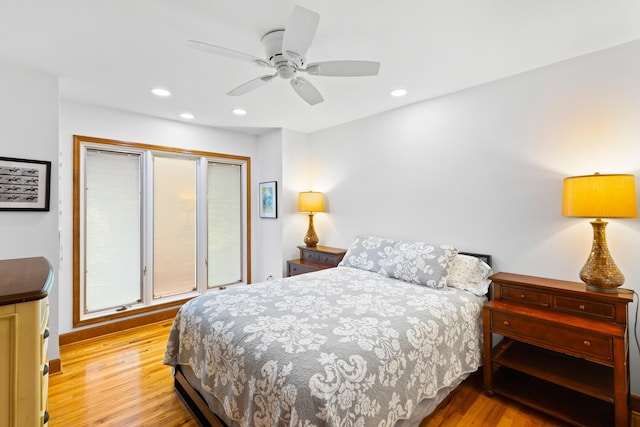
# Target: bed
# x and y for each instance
(379, 340)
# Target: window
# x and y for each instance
(225, 229)
(174, 226)
(112, 227)
(154, 226)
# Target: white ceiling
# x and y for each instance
(111, 52)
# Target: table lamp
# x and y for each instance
(311, 201)
(600, 196)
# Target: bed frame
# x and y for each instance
(194, 401)
(197, 404)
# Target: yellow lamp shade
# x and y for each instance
(311, 201)
(600, 196)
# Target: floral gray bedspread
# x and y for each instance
(338, 347)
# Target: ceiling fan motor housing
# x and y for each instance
(272, 43)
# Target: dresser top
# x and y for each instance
(561, 286)
(24, 279)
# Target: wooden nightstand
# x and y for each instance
(314, 259)
(564, 349)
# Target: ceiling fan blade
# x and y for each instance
(344, 68)
(306, 90)
(251, 85)
(299, 32)
(229, 53)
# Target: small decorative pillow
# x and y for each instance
(420, 263)
(367, 252)
(462, 270)
(469, 273)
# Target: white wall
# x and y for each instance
(482, 169)
(29, 123)
(296, 175)
(268, 246)
(283, 157)
(98, 122)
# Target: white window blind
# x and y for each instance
(112, 234)
(224, 218)
(174, 226)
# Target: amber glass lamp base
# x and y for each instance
(311, 239)
(600, 273)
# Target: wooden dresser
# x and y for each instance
(564, 349)
(314, 259)
(24, 318)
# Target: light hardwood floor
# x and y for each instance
(118, 380)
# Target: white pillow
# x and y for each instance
(469, 273)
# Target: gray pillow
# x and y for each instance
(367, 253)
(420, 263)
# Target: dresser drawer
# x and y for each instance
(574, 341)
(525, 296)
(44, 313)
(44, 351)
(44, 391)
(596, 309)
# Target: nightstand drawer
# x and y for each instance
(525, 296)
(574, 341)
(321, 258)
(586, 308)
(310, 256)
(296, 267)
(322, 255)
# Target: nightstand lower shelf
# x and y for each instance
(556, 368)
(562, 403)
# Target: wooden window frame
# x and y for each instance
(78, 141)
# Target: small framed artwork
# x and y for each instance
(268, 199)
(25, 185)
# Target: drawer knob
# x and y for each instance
(587, 343)
(523, 296)
(506, 323)
(581, 307)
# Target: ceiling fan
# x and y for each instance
(285, 50)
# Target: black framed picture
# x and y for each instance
(268, 199)
(25, 185)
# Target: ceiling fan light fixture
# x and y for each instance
(163, 93)
(286, 71)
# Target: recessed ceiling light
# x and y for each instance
(160, 92)
(398, 92)
(187, 116)
(239, 111)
